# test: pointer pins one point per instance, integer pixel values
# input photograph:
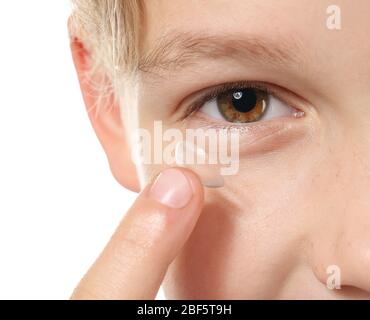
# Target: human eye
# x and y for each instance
(243, 103)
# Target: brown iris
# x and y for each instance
(242, 105)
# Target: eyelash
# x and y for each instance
(220, 89)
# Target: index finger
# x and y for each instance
(134, 262)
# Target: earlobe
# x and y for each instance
(106, 121)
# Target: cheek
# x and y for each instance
(248, 236)
(340, 223)
(283, 210)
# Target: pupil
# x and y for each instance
(244, 100)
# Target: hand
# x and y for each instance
(135, 260)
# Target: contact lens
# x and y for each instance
(189, 156)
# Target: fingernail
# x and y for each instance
(172, 189)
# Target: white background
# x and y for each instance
(59, 203)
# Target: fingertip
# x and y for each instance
(176, 188)
(195, 182)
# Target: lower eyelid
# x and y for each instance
(269, 139)
(258, 137)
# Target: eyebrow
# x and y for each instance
(182, 49)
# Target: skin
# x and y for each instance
(300, 202)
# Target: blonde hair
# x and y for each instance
(110, 31)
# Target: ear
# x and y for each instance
(106, 122)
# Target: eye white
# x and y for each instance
(275, 109)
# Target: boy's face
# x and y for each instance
(300, 203)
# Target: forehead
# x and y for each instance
(258, 16)
(220, 16)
